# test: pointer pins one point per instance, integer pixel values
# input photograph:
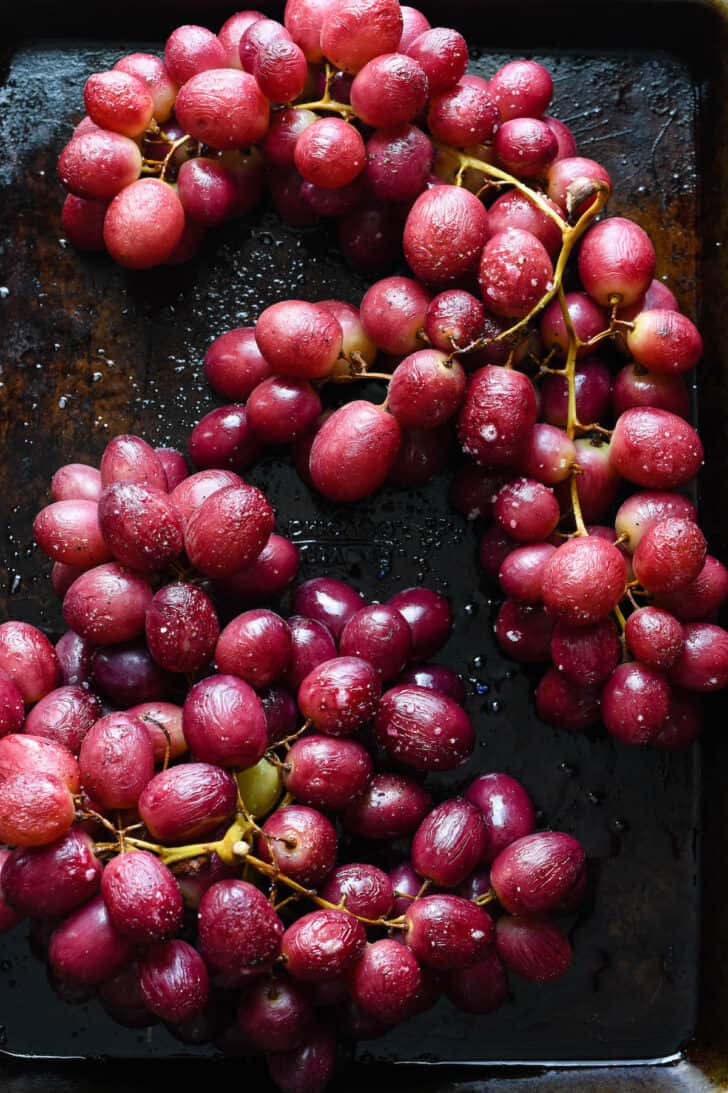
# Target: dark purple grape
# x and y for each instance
(307, 1068)
(564, 704)
(311, 645)
(507, 810)
(362, 890)
(450, 842)
(142, 898)
(173, 980)
(481, 988)
(238, 928)
(329, 601)
(429, 617)
(85, 947)
(340, 695)
(300, 842)
(380, 635)
(635, 703)
(436, 677)
(121, 996)
(423, 729)
(181, 628)
(391, 807)
(275, 1014)
(447, 932)
(538, 872)
(52, 880)
(127, 675)
(323, 945)
(326, 772)
(533, 947)
(386, 981)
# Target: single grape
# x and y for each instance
(398, 163)
(174, 465)
(64, 715)
(361, 889)
(281, 70)
(664, 341)
(414, 24)
(121, 997)
(549, 455)
(76, 482)
(299, 841)
(354, 451)
(355, 338)
(450, 842)
(256, 646)
(304, 20)
(260, 787)
(224, 438)
(27, 656)
(128, 458)
(497, 415)
(521, 89)
(275, 1014)
(655, 448)
(426, 389)
(473, 491)
(506, 808)
(533, 947)
(267, 576)
(224, 722)
(443, 54)
(525, 147)
(429, 617)
(299, 339)
(616, 262)
(192, 49)
(185, 802)
(173, 981)
(355, 31)
(21, 753)
(654, 637)
(207, 191)
(635, 703)
(340, 695)
(116, 760)
(327, 773)
(143, 224)
(307, 1068)
(633, 387)
(593, 388)
(391, 807)
(538, 872)
(107, 605)
(163, 722)
(481, 988)
(453, 320)
(584, 580)
(83, 222)
(329, 153)
(444, 234)
(118, 101)
(393, 314)
(526, 510)
(223, 108)
(423, 729)
(515, 272)
(684, 722)
(422, 454)
(436, 677)
(567, 176)
(447, 932)
(98, 165)
(48, 881)
(670, 554)
(127, 674)
(74, 659)
(565, 704)
(642, 510)
(238, 928)
(463, 115)
(587, 320)
(142, 897)
(389, 90)
(703, 663)
(323, 945)
(380, 635)
(140, 525)
(523, 631)
(311, 644)
(586, 655)
(85, 947)
(181, 628)
(281, 712)
(386, 981)
(229, 530)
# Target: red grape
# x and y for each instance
(185, 802)
(97, 165)
(229, 530)
(64, 715)
(444, 234)
(450, 842)
(393, 314)
(130, 459)
(655, 448)
(443, 53)
(447, 932)
(223, 108)
(85, 947)
(515, 272)
(380, 635)
(386, 981)
(538, 872)
(48, 881)
(506, 808)
(429, 617)
(327, 773)
(564, 704)
(118, 101)
(654, 637)
(329, 153)
(268, 575)
(423, 729)
(585, 654)
(173, 981)
(300, 842)
(152, 72)
(463, 115)
(354, 451)
(275, 1014)
(533, 947)
(116, 760)
(27, 656)
(299, 339)
(703, 662)
(701, 597)
(635, 703)
(497, 415)
(181, 628)
(224, 722)
(664, 341)
(142, 897)
(633, 386)
(143, 224)
(616, 262)
(391, 807)
(76, 482)
(584, 580)
(355, 31)
(238, 928)
(107, 605)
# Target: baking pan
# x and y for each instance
(88, 351)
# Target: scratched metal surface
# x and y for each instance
(89, 351)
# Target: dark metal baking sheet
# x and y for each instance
(89, 351)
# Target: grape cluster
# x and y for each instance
(179, 794)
